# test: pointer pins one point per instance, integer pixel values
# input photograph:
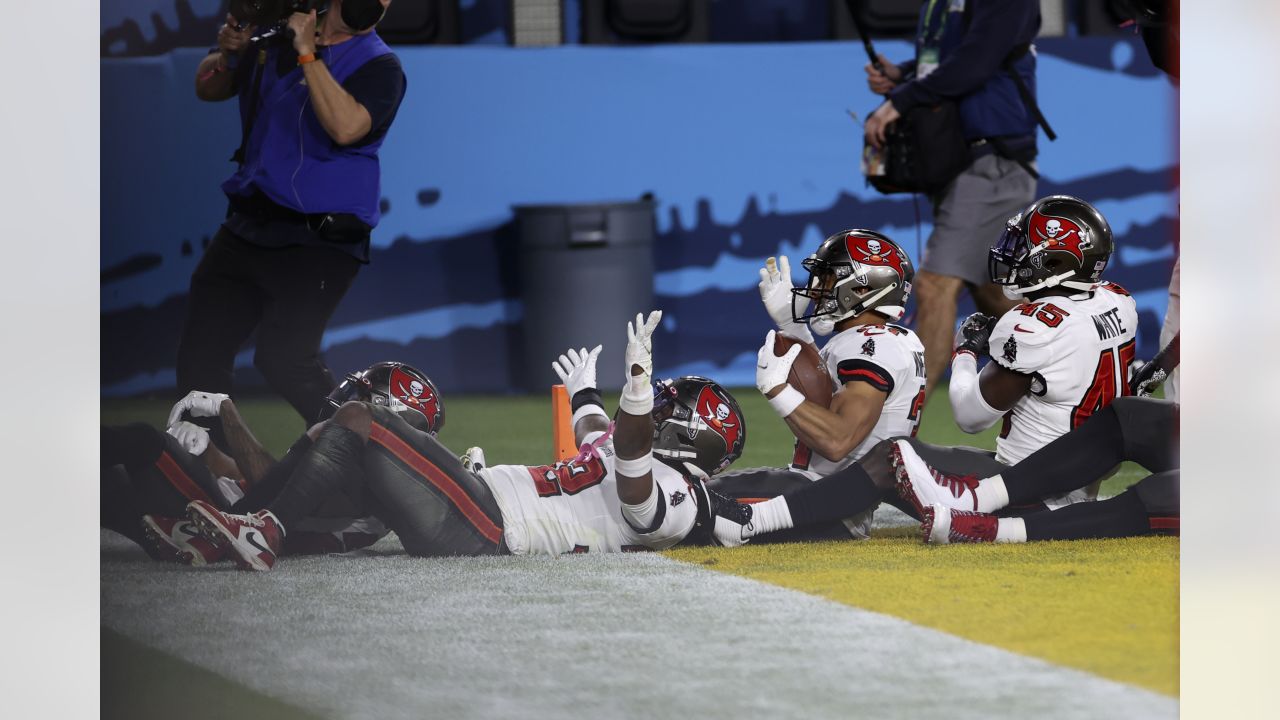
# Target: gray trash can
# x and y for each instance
(585, 270)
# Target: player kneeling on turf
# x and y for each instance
(636, 483)
(859, 282)
(1057, 359)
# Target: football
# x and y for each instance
(808, 373)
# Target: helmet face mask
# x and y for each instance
(1058, 240)
(852, 272)
(400, 387)
(1008, 256)
(698, 423)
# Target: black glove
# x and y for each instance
(975, 334)
(1150, 376)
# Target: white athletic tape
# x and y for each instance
(635, 468)
(786, 401)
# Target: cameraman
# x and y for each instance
(316, 101)
(959, 53)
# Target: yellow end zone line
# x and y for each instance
(1108, 607)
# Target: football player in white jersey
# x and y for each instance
(1056, 359)
(859, 282)
(612, 497)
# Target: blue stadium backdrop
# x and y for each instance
(747, 148)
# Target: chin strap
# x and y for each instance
(1054, 281)
(867, 303)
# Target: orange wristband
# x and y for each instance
(308, 58)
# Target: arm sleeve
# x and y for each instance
(379, 86)
(995, 28)
(971, 411)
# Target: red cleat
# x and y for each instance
(253, 541)
(922, 485)
(177, 539)
(943, 525)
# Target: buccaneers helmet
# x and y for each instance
(696, 421)
(401, 387)
(1057, 240)
(854, 271)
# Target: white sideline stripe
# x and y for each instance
(585, 636)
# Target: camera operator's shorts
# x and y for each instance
(970, 214)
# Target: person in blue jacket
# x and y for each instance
(961, 48)
(316, 102)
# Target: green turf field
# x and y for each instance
(1109, 608)
(516, 429)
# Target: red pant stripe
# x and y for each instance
(441, 480)
(180, 480)
(1164, 523)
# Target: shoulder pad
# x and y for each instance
(1020, 342)
(1113, 287)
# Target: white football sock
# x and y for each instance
(769, 516)
(991, 494)
(1011, 530)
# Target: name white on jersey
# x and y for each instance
(1078, 352)
(573, 506)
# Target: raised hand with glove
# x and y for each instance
(771, 376)
(775, 292)
(197, 403)
(637, 394)
(577, 370)
(974, 335)
(633, 430)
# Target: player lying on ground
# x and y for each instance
(612, 497)
(859, 281)
(149, 476)
(957, 508)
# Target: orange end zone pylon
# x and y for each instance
(562, 422)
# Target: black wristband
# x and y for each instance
(586, 396)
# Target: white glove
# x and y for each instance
(198, 403)
(193, 438)
(577, 369)
(640, 342)
(637, 394)
(775, 292)
(772, 370)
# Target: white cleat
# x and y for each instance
(923, 486)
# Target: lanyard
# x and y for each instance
(929, 37)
